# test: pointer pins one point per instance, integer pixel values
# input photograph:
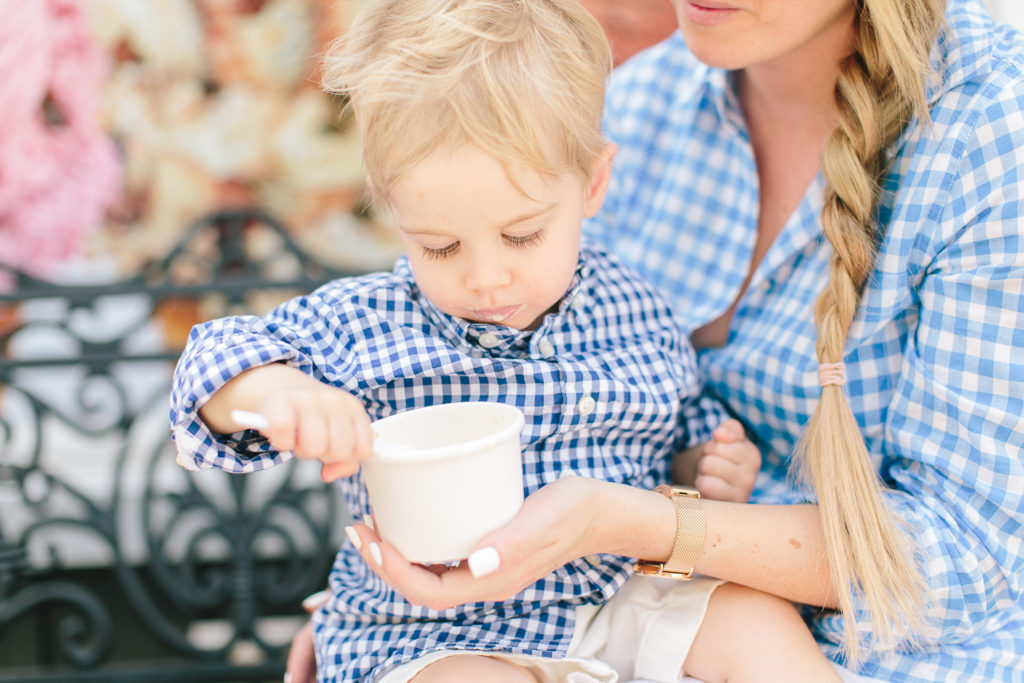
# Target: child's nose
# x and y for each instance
(488, 272)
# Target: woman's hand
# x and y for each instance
(557, 524)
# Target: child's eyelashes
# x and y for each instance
(516, 241)
(442, 252)
(524, 240)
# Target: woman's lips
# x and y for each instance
(707, 12)
(497, 314)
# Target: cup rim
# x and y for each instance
(514, 428)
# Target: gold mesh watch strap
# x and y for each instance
(690, 530)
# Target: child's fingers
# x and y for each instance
(741, 453)
(362, 432)
(714, 488)
(282, 430)
(342, 439)
(312, 436)
(340, 436)
(349, 429)
(729, 431)
(722, 479)
(331, 471)
(718, 467)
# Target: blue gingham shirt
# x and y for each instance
(935, 358)
(608, 384)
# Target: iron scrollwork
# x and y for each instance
(88, 481)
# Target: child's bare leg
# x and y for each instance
(473, 668)
(748, 635)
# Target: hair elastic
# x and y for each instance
(831, 373)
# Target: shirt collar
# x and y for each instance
(510, 341)
(963, 47)
(720, 94)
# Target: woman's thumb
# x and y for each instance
(483, 561)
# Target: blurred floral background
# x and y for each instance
(124, 121)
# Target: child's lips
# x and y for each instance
(496, 314)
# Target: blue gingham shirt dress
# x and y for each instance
(935, 358)
(608, 384)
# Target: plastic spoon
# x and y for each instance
(382, 447)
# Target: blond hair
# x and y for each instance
(880, 87)
(523, 80)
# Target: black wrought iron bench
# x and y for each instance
(116, 565)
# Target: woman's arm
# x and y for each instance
(777, 549)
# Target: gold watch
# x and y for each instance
(690, 530)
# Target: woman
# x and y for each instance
(831, 192)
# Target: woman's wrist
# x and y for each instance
(633, 522)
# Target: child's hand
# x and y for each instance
(319, 422)
(725, 467)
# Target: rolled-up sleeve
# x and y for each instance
(220, 350)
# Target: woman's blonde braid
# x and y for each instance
(879, 88)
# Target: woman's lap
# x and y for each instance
(644, 631)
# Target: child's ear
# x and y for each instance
(600, 174)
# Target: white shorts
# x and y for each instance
(643, 632)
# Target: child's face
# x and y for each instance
(482, 250)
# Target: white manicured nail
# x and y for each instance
(376, 555)
(249, 419)
(354, 537)
(483, 562)
(315, 600)
(287, 678)
(368, 521)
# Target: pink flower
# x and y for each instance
(59, 171)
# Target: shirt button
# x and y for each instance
(586, 405)
(545, 348)
(489, 340)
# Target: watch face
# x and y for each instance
(669, 491)
(648, 568)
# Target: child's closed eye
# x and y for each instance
(524, 240)
(442, 252)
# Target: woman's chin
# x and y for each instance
(716, 53)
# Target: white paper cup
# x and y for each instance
(461, 479)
